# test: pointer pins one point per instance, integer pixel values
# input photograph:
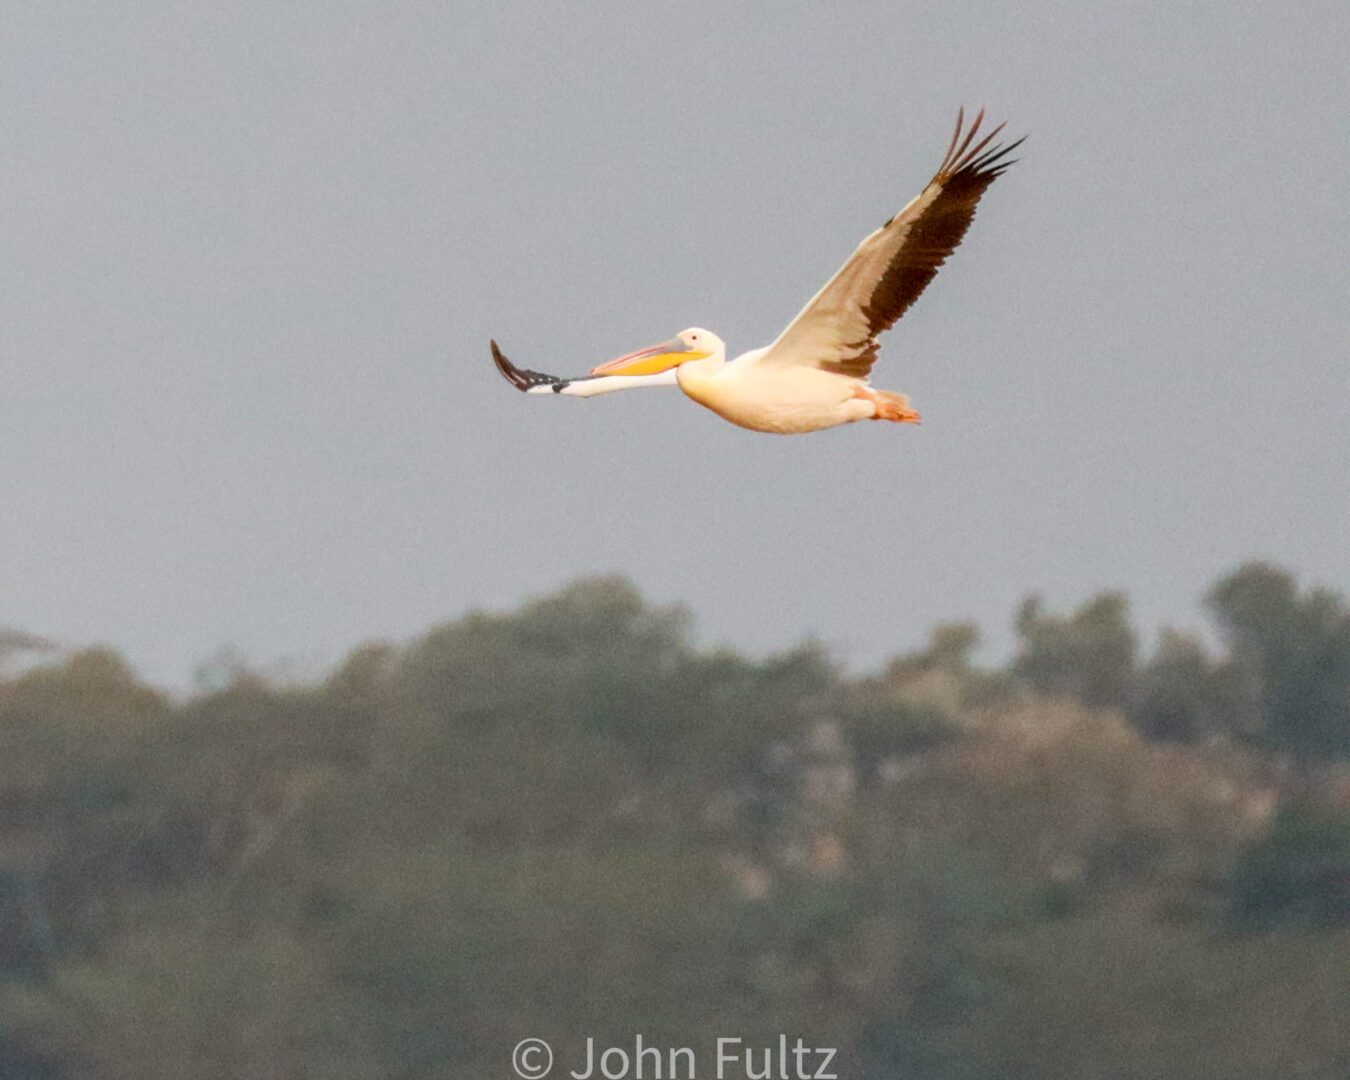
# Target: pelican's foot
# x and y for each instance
(901, 414)
(890, 406)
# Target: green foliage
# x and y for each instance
(1294, 649)
(1089, 655)
(1299, 874)
(1185, 696)
(949, 649)
(569, 820)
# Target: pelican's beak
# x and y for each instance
(651, 360)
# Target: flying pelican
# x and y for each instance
(816, 374)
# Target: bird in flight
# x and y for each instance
(817, 374)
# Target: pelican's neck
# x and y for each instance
(701, 369)
(695, 376)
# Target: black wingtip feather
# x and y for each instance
(979, 161)
(522, 378)
(991, 161)
(509, 371)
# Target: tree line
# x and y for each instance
(570, 821)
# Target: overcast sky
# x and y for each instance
(254, 253)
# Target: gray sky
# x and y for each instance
(255, 253)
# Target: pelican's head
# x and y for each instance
(692, 344)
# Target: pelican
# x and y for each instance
(817, 374)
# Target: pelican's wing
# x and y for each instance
(536, 382)
(837, 330)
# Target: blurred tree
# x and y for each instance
(1184, 695)
(1089, 655)
(77, 810)
(1299, 873)
(183, 993)
(1114, 992)
(949, 648)
(95, 684)
(1294, 649)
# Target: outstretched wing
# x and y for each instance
(523, 378)
(536, 382)
(837, 330)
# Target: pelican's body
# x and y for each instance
(817, 373)
(788, 401)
